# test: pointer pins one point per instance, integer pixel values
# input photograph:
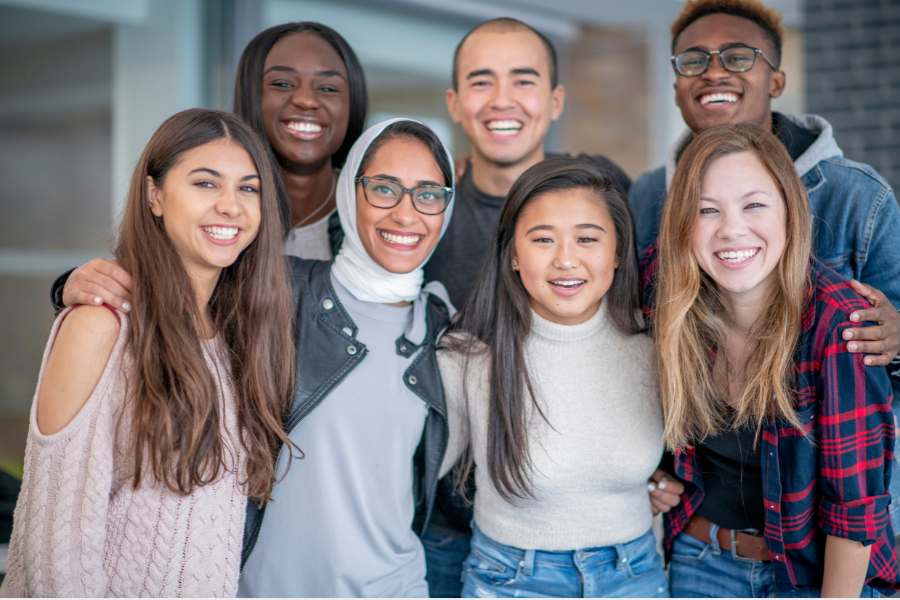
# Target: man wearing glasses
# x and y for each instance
(726, 56)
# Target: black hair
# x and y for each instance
(411, 130)
(495, 318)
(248, 92)
(503, 25)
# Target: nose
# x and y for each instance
(305, 97)
(405, 214)
(566, 257)
(715, 71)
(503, 95)
(228, 204)
(732, 225)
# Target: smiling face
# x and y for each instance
(210, 206)
(719, 96)
(504, 102)
(565, 246)
(400, 238)
(305, 100)
(740, 235)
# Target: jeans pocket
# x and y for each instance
(643, 560)
(689, 550)
(489, 567)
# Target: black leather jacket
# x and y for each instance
(327, 352)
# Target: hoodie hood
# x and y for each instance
(824, 147)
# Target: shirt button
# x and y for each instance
(327, 304)
(351, 350)
(347, 330)
(403, 348)
(413, 380)
(772, 506)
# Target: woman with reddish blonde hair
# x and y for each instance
(782, 437)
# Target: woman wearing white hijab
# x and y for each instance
(343, 521)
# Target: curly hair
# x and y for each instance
(768, 19)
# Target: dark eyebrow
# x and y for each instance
(208, 170)
(248, 177)
(293, 70)
(525, 71)
(480, 73)
(397, 180)
(551, 228)
(722, 47)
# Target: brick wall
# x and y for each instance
(853, 77)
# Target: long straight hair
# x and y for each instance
(496, 317)
(176, 420)
(689, 314)
(248, 93)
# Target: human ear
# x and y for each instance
(154, 196)
(558, 99)
(776, 84)
(452, 106)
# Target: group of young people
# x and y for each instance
(212, 419)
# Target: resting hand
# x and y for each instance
(665, 491)
(99, 281)
(881, 341)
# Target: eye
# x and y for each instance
(480, 83)
(708, 211)
(205, 184)
(755, 205)
(249, 189)
(585, 240)
(525, 82)
(543, 240)
(383, 189)
(328, 89)
(280, 84)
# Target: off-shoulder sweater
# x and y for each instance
(81, 529)
(592, 457)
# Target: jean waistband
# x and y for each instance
(600, 554)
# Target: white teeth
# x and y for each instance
(737, 256)
(406, 240)
(221, 233)
(304, 126)
(568, 284)
(718, 98)
(507, 127)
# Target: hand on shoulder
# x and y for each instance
(79, 355)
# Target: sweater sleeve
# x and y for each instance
(450, 364)
(59, 526)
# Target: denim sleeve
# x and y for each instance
(881, 268)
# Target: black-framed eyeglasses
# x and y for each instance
(737, 59)
(384, 193)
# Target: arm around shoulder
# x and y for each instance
(80, 353)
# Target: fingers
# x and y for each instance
(657, 508)
(665, 491)
(865, 290)
(98, 282)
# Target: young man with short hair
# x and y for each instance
(505, 95)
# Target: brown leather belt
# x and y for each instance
(745, 545)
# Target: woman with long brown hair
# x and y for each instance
(150, 430)
(782, 437)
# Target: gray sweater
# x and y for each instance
(592, 462)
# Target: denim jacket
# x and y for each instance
(856, 219)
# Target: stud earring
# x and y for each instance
(515, 265)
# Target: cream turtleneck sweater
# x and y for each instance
(592, 462)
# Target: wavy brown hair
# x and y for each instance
(689, 314)
(176, 419)
(495, 318)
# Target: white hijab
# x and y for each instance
(357, 271)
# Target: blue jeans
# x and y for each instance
(444, 556)
(632, 570)
(701, 570)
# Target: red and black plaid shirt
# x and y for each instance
(834, 482)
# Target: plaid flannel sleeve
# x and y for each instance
(857, 438)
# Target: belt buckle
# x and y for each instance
(737, 557)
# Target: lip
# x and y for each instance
(306, 136)
(716, 106)
(397, 246)
(504, 134)
(567, 291)
(741, 265)
(217, 242)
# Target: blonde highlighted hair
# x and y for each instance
(689, 313)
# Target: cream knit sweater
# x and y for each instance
(592, 462)
(81, 529)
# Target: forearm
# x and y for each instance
(846, 563)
